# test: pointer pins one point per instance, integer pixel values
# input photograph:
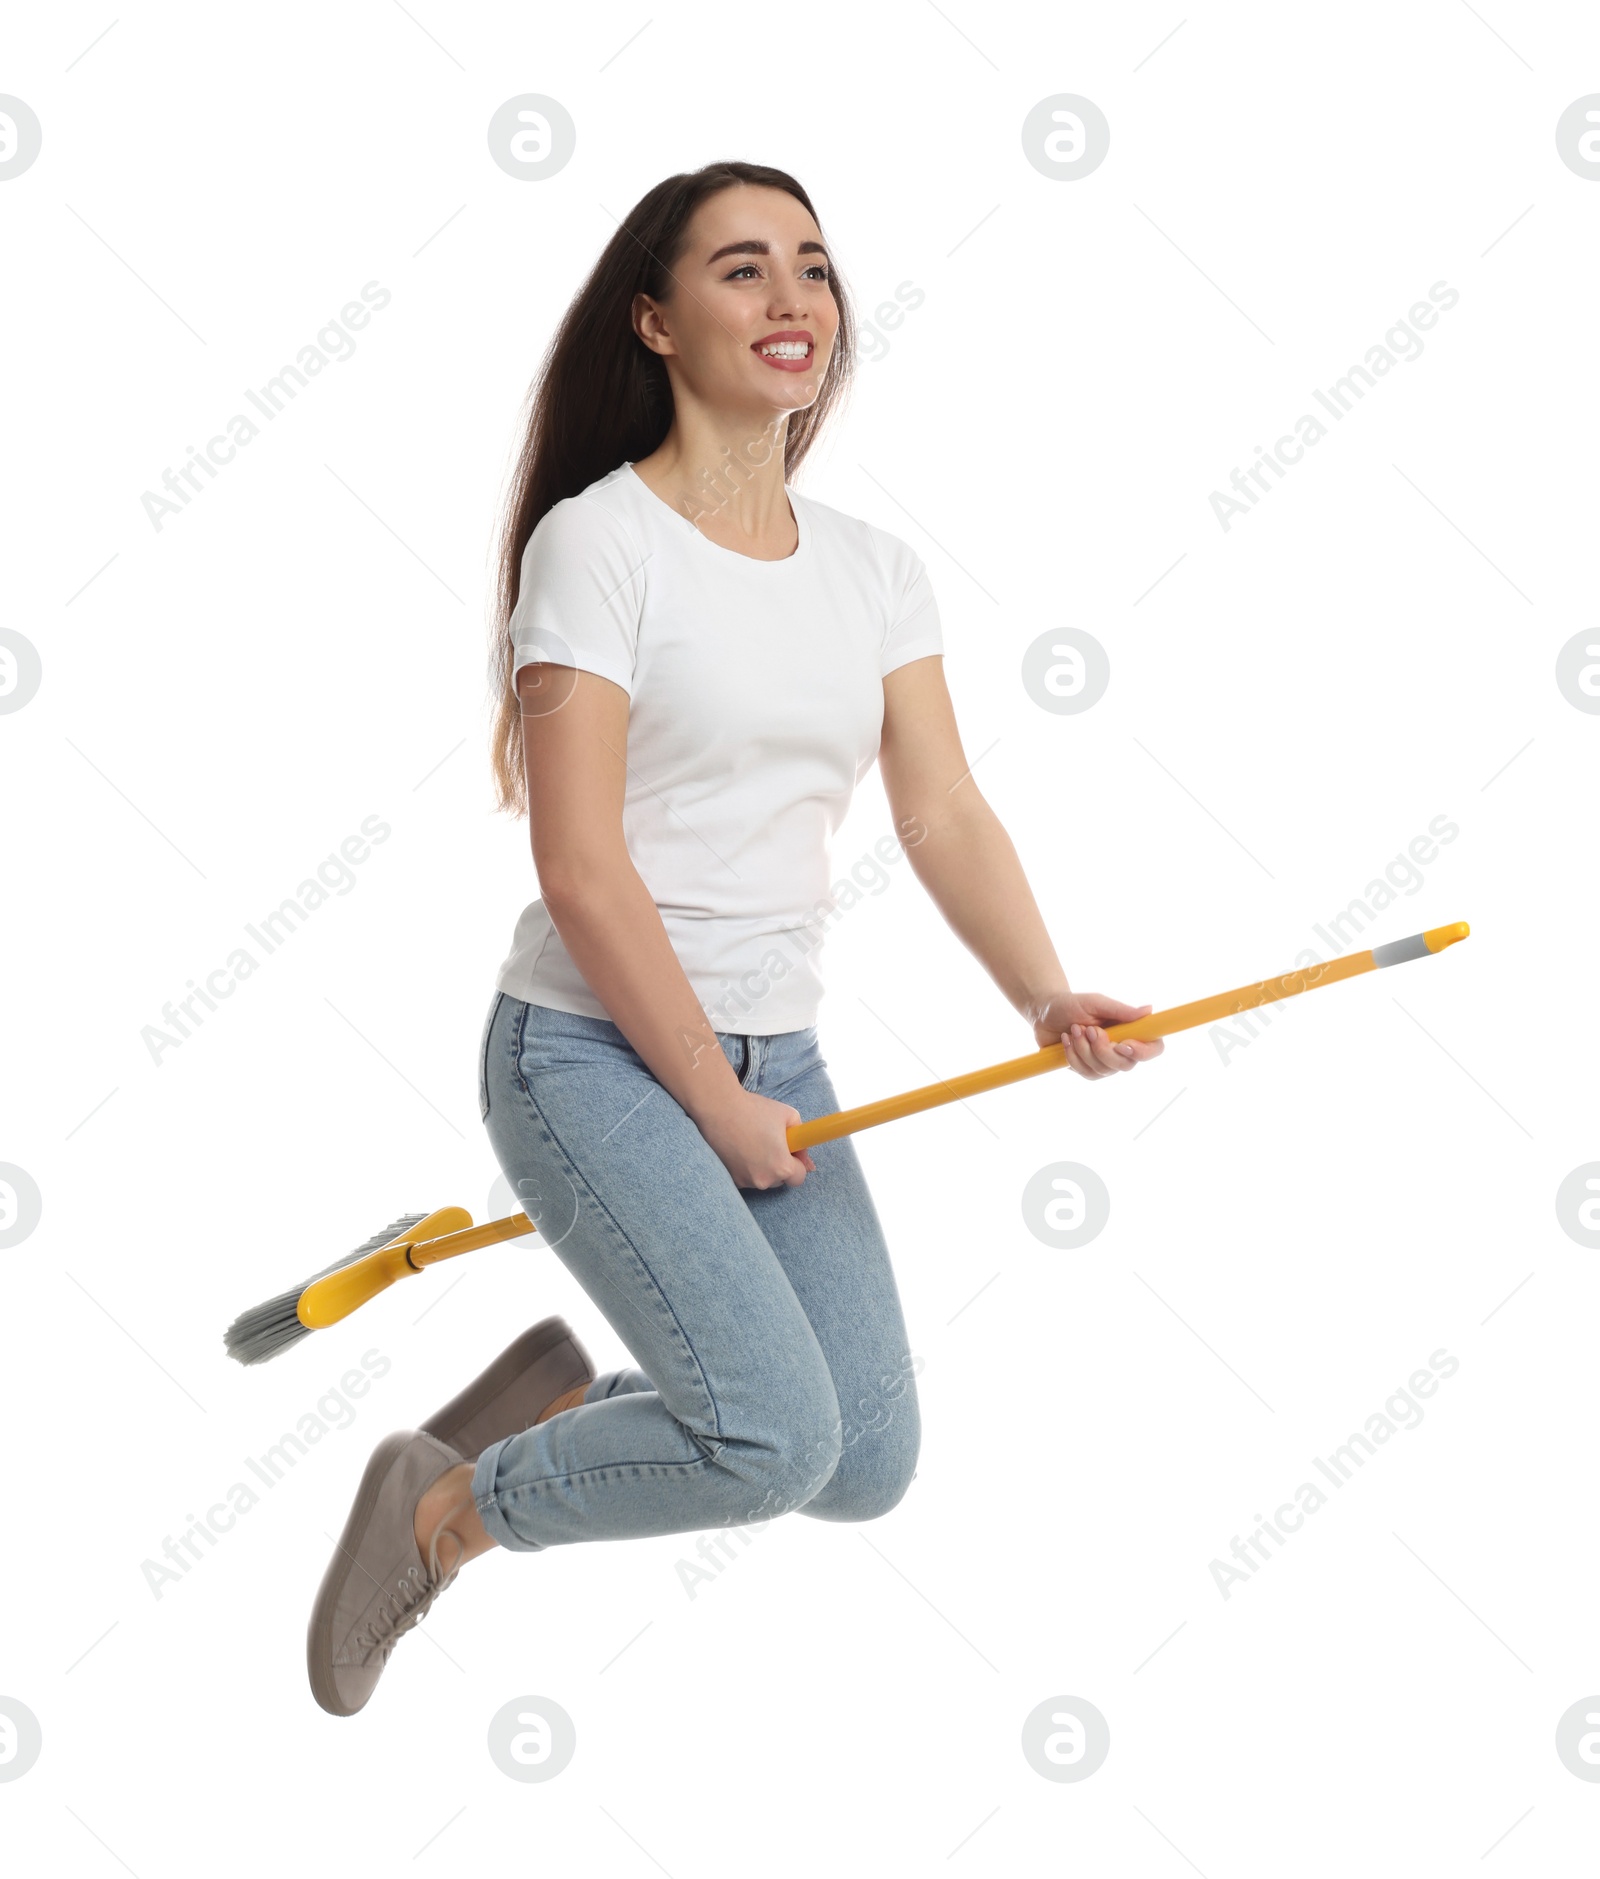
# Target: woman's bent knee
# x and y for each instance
(872, 1474)
(783, 1473)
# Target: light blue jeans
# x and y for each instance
(773, 1372)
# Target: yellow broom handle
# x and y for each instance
(1054, 1056)
(512, 1227)
(1154, 1024)
(1036, 1063)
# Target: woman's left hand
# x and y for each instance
(1077, 1019)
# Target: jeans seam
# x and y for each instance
(700, 1461)
(483, 1057)
(516, 1045)
(627, 1241)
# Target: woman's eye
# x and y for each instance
(817, 267)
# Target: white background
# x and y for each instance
(1295, 1225)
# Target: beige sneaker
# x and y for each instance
(378, 1585)
(546, 1362)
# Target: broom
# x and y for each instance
(414, 1241)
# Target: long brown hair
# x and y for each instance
(602, 398)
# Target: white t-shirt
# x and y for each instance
(756, 706)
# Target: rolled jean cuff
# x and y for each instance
(486, 1498)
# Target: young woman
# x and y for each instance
(696, 665)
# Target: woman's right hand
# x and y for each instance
(749, 1133)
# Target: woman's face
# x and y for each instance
(754, 270)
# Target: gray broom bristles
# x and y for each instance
(269, 1328)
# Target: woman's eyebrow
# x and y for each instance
(763, 247)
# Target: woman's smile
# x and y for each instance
(788, 350)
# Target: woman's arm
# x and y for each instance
(575, 740)
(962, 855)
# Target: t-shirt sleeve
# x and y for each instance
(914, 629)
(581, 594)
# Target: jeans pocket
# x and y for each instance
(483, 1058)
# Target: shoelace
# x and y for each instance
(381, 1632)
